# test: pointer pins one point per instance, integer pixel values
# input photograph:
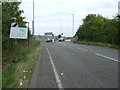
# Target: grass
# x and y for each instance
(95, 44)
(41, 39)
(15, 73)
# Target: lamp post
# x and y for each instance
(119, 8)
(28, 35)
(60, 28)
(33, 19)
(73, 25)
(14, 24)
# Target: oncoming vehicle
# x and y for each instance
(50, 40)
(61, 39)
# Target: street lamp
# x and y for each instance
(73, 25)
(33, 19)
(119, 8)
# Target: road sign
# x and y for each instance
(14, 24)
(18, 33)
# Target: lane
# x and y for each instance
(113, 53)
(108, 52)
(81, 69)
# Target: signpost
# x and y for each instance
(18, 33)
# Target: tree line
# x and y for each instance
(9, 10)
(97, 28)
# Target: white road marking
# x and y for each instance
(59, 83)
(107, 57)
(98, 54)
(82, 49)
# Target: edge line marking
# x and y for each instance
(59, 83)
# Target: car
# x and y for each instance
(50, 40)
(61, 39)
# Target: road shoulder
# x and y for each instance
(43, 75)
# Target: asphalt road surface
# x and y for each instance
(70, 65)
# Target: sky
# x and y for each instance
(56, 15)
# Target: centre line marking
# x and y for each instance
(59, 83)
(107, 57)
(82, 49)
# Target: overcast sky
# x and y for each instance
(50, 15)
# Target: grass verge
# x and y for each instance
(17, 75)
(95, 44)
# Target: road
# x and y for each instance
(70, 65)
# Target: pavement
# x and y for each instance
(70, 65)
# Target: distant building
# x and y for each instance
(49, 34)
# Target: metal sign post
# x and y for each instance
(15, 26)
(17, 32)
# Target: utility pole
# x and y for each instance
(73, 25)
(60, 28)
(119, 8)
(33, 19)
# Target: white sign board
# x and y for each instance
(18, 33)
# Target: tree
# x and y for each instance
(9, 10)
(98, 29)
